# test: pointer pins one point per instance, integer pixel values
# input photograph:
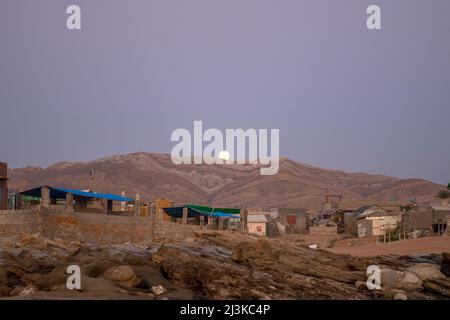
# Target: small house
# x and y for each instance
(257, 224)
(440, 214)
(376, 223)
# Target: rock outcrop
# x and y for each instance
(217, 265)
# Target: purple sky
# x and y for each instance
(342, 96)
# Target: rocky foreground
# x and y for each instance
(212, 265)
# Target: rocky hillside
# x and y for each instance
(154, 175)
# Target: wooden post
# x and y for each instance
(137, 206)
(109, 205)
(185, 215)
(104, 203)
(209, 223)
(123, 204)
(153, 215)
(244, 221)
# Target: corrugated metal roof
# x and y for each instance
(56, 192)
(378, 213)
(256, 218)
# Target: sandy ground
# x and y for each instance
(405, 247)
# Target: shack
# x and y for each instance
(440, 214)
(74, 200)
(376, 223)
(351, 217)
(257, 224)
(212, 218)
(294, 219)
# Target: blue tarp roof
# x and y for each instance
(60, 193)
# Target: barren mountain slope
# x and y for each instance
(154, 175)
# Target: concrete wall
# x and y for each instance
(254, 226)
(301, 225)
(92, 227)
(380, 225)
(101, 228)
(351, 222)
(365, 228)
(13, 222)
(417, 220)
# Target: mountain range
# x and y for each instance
(155, 176)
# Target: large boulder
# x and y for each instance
(391, 278)
(393, 294)
(399, 279)
(410, 280)
(122, 275)
(400, 296)
(426, 271)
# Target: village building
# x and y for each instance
(353, 205)
(441, 217)
(256, 224)
(417, 220)
(351, 217)
(282, 220)
(74, 200)
(294, 219)
(209, 217)
(376, 222)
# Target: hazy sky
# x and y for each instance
(342, 96)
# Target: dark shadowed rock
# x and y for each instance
(56, 277)
(438, 286)
(445, 267)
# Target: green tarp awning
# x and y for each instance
(195, 211)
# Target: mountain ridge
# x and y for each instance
(153, 175)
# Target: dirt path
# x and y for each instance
(405, 247)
